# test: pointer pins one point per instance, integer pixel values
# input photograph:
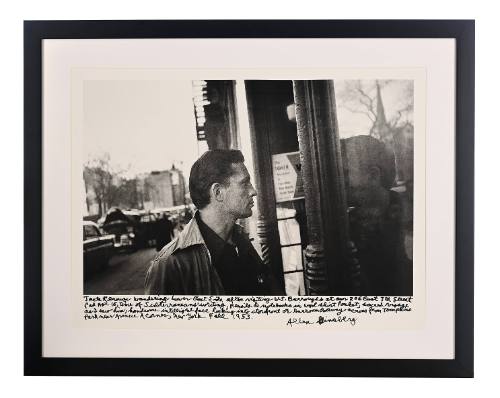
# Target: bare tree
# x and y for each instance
(127, 194)
(391, 124)
(365, 97)
(102, 181)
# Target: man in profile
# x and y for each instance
(212, 255)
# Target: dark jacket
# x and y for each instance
(185, 267)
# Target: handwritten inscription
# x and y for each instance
(297, 311)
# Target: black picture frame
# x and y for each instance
(460, 30)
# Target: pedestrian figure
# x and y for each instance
(163, 231)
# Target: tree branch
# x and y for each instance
(365, 113)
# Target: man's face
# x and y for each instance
(239, 192)
(363, 184)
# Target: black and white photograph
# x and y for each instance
(248, 187)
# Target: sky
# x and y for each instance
(143, 125)
(148, 125)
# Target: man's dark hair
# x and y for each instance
(213, 166)
(371, 152)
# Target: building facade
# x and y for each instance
(148, 191)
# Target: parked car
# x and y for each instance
(125, 228)
(97, 248)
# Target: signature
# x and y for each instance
(321, 320)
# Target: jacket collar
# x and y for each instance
(191, 234)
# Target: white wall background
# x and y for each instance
(487, 194)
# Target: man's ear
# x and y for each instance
(217, 192)
(375, 175)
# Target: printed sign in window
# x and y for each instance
(288, 183)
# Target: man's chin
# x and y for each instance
(247, 214)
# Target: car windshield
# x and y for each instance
(116, 227)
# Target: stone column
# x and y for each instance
(261, 128)
(328, 265)
(221, 127)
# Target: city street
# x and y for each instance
(124, 274)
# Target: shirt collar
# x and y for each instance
(214, 242)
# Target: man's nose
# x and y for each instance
(253, 192)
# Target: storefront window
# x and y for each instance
(291, 246)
